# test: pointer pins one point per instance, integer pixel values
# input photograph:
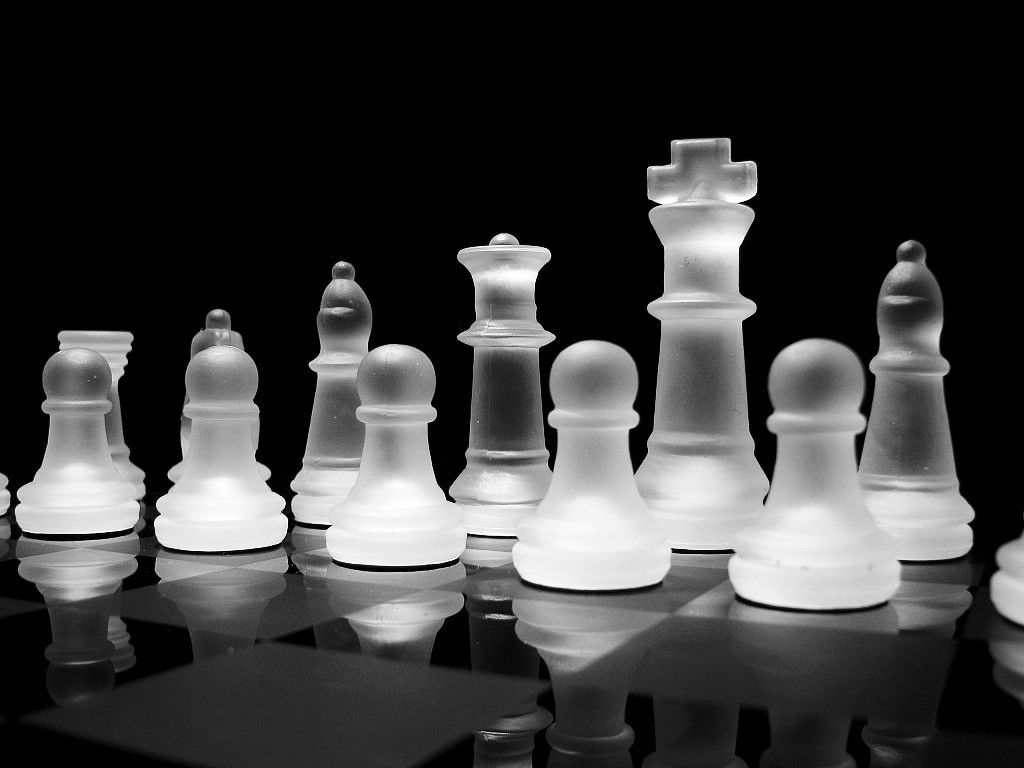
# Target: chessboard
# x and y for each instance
(123, 651)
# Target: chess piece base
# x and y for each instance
(820, 588)
(174, 473)
(652, 761)
(494, 520)
(5, 501)
(424, 536)
(1007, 588)
(59, 521)
(591, 571)
(318, 491)
(220, 535)
(925, 525)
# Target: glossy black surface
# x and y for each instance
(118, 650)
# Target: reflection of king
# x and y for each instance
(700, 476)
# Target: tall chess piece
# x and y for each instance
(816, 547)
(1008, 581)
(114, 346)
(216, 332)
(77, 489)
(700, 476)
(506, 472)
(221, 504)
(592, 531)
(907, 471)
(335, 441)
(396, 516)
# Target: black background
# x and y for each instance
(142, 200)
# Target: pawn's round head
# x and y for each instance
(218, 320)
(396, 374)
(816, 377)
(911, 251)
(221, 374)
(76, 375)
(342, 270)
(594, 376)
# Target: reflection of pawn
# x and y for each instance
(335, 440)
(506, 472)
(81, 588)
(124, 651)
(592, 531)
(1008, 582)
(590, 646)
(396, 614)
(495, 648)
(114, 346)
(1006, 644)
(222, 609)
(331, 632)
(906, 467)
(216, 332)
(396, 515)
(77, 490)
(5, 495)
(221, 504)
(816, 546)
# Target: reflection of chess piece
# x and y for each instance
(114, 346)
(700, 476)
(808, 668)
(334, 442)
(495, 647)
(5, 535)
(690, 656)
(930, 599)
(396, 614)
(221, 504)
(590, 646)
(907, 471)
(1008, 582)
(77, 489)
(506, 472)
(1006, 645)
(222, 608)
(81, 588)
(314, 563)
(216, 332)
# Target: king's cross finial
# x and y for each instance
(702, 169)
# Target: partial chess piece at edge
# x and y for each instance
(816, 546)
(1007, 586)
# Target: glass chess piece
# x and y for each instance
(816, 546)
(5, 495)
(1007, 585)
(907, 472)
(114, 346)
(592, 531)
(700, 477)
(77, 489)
(396, 516)
(221, 504)
(507, 471)
(334, 443)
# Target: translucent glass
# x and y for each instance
(77, 489)
(816, 546)
(221, 503)
(1008, 581)
(700, 476)
(216, 331)
(907, 471)
(507, 471)
(396, 515)
(114, 346)
(5, 495)
(592, 531)
(335, 440)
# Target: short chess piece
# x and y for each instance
(1007, 586)
(816, 546)
(114, 346)
(221, 504)
(396, 516)
(592, 531)
(335, 440)
(907, 472)
(507, 471)
(215, 332)
(78, 489)
(700, 477)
